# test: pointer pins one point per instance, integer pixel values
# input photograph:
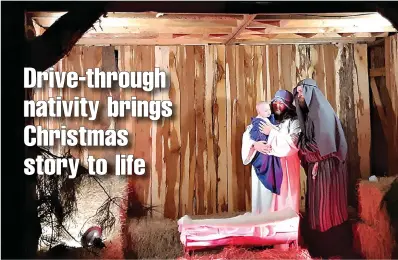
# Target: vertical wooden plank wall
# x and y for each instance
(383, 71)
(342, 75)
(194, 163)
(391, 101)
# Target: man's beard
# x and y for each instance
(303, 106)
(304, 109)
(280, 114)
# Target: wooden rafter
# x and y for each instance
(248, 19)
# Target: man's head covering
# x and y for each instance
(286, 97)
(328, 132)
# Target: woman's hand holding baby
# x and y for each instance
(262, 147)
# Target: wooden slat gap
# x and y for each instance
(379, 34)
(261, 30)
(276, 23)
(346, 34)
(178, 35)
(306, 35)
(379, 105)
(217, 35)
(377, 72)
(379, 42)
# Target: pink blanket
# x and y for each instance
(279, 227)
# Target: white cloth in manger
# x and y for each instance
(245, 225)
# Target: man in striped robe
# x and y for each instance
(323, 152)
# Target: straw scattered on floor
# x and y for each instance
(243, 253)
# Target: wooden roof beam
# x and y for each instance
(275, 40)
(151, 22)
(174, 30)
(364, 29)
(310, 35)
(314, 16)
(317, 23)
(151, 15)
(183, 40)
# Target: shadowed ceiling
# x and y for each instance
(153, 28)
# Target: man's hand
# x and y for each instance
(265, 129)
(262, 147)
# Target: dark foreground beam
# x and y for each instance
(212, 7)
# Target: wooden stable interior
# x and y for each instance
(219, 66)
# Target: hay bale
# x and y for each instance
(373, 243)
(153, 238)
(158, 237)
(370, 196)
(242, 253)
